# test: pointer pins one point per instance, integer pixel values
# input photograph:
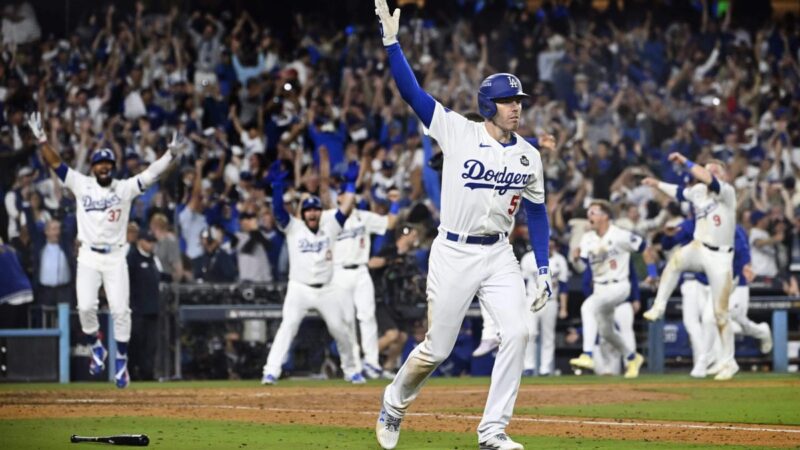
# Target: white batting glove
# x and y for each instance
(35, 124)
(390, 23)
(177, 144)
(544, 289)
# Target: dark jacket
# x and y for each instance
(144, 278)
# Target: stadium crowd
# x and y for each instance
(619, 89)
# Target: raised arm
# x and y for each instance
(411, 92)
(276, 177)
(349, 198)
(673, 190)
(154, 170)
(698, 172)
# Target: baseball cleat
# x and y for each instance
(371, 372)
(121, 376)
(98, 361)
(727, 371)
(714, 368)
(387, 430)
(653, 314)
(766, 341)
(583, 362)
(528, 373)
(632, 369)
(387, 375)
(356, 379)
(698, 371)
(268, 379)
(486, 346)
(500, 441)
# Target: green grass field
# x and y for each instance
(773, 401)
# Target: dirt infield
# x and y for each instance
(436, 409)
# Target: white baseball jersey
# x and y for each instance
(103, 212)
(715, 214)
(311, 254)
(483, 181)
(609, 255)
(559, 273)
(353, 243)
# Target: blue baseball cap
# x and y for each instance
(756, 216)
(104, 154)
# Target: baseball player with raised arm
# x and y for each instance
(310, 241)
(489, 170)
(544, 320)
(351, 276)
(104, 205)
(711, 250)
(606, 250)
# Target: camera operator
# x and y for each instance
(399, 287)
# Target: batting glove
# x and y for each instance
(390, 23)
(177, 144)
(35, 124)
(544, 291)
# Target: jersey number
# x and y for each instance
(114, 215)
(514, 204)
(717, 220)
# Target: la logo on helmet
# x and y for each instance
(512, 82)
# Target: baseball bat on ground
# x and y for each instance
(138, 440)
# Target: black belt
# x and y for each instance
(718, 249)
(316, 286)
(351, 266)
(103, 250)
(479, 240)
(607, 282)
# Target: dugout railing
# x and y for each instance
(183, 305)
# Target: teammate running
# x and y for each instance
(711, 251)
(489, 170)
(606, 250)
(104, 205)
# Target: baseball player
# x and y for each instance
(544, 320)
(605, 250)
(310, 242)
(351, 277)
(738, 305)
(692, 301)
(103, 208)
(488, 172)
(711, 250)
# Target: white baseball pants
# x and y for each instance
(300, 298)
(740, 323)
(544, 327)
(457, 272)
(358, 297)
(597, 316)
(693, 300)
(717, 265)
(109, 270)
(607, 359)
(489, 329)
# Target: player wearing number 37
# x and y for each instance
(713, 201)
(103, 207)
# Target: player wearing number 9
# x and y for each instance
(103, 207)
(713, 201)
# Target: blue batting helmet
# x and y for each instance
(495, 87)
(104, 154)
(312, 202)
